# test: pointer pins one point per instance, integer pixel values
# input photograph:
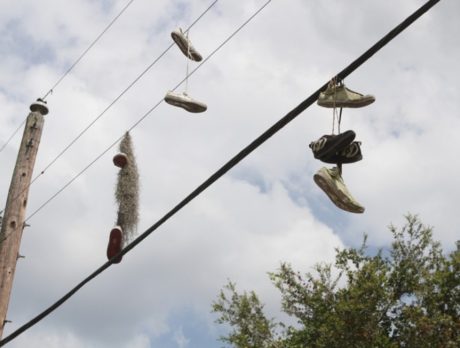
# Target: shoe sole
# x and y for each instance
(184, 45)
(340, 199)
(344, 104)
(342, 160)
(339, 146)
(114, 247)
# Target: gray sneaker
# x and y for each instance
(339, 96)
(331, 182)
(185, 45)
(182, 100)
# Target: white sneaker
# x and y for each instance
(182, 100)
(330, 181)
(185, 45)
(339, 96)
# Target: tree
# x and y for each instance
(245, 313)
(407, 298)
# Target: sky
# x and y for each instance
(266, 210)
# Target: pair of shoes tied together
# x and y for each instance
(182, 99)
(340, 148)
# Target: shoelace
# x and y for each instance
(351, 150)
(318, 145)
(336, 115)
(188, 62)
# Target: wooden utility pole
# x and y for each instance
(15, 209)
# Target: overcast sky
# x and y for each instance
(267, 209)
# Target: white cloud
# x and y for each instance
(264, 211)
(180, 339)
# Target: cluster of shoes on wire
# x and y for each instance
(338, 148)
(182, 99)
(127, 190)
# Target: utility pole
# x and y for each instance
(15, 209)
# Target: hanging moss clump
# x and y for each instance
(127, 191)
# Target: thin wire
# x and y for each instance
(230, 164)
(86, 51)
(71, 67)
(146, 114)
(12, 135)
(118, 97)
(97, 118)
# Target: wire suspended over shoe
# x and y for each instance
(185, 45)
(182, 100)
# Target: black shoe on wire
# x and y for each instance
(330, 147)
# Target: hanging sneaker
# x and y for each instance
(351, 154)
(120, 160)
(182, 100)
(331, 182)
(339, 96)
(185, 45)
(329, 145)
(115, 244)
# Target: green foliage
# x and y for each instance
(127, 191)
(410, 298)
(245, 314)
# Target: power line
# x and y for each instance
(86, 51)
(231, 163)
(12, 135)
(71, 67)
(117, 98)
(146, 114)
(42, 172)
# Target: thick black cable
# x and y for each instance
(230, 164)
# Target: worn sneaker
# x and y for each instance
(185, 45)
(329, 145)
(120, 160)
(115, 244)
(339, 96)
(331, 182)
(182, 100)
(350, 154)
